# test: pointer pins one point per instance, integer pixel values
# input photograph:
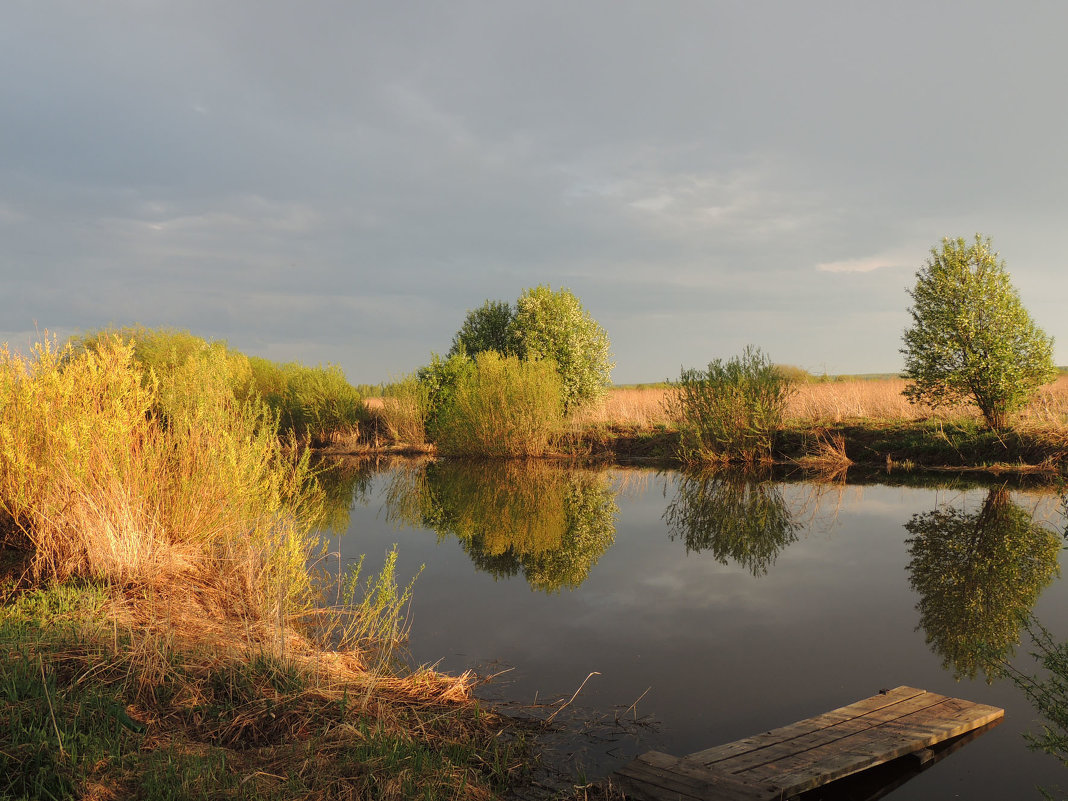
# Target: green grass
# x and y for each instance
(88, 706)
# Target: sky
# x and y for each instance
(334, 181)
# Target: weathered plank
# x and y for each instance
(822, 757)
(655, 776)
(810, 753)
(858, 709)
(822, 730)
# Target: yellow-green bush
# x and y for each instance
(103, 486)
(504, 407)
(311, 403)
(732, 411)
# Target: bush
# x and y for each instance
(732, 411)
(438, 383)
(502, 407)
(311, 403)
(102, 488)
(795, 374)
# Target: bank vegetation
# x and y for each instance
(167, 625)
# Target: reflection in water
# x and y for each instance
(547, 522)
(978, 575)
(343, 483)
(735, 517)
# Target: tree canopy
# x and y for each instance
(543, 325)
(554, 325)
(971, 338)
(489, 327)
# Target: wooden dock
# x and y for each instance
(785, 762)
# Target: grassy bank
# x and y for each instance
(834, 423)
(98, 703)
(164, 630)
(864, 422)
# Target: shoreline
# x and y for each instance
(882, 447)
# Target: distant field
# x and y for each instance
(856, 398)
(826, 402)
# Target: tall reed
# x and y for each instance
(403, 412)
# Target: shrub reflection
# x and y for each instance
(733, 515)
(547, 522)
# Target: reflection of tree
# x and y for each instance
(548, 522)
(978, 575)
(342, 483)
(733, 516)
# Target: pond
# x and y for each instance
(727, 605)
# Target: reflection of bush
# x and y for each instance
(342, 484)
(978, 575)
(735, 517)
(548, 522)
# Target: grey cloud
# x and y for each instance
(351, 179)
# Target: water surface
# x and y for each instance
(734, 605)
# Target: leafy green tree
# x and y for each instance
(978, 574)
(554, 325)
(489, 327)
(970, 337)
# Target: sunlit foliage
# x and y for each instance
(971, 338)
(731, 411)
(978, 574)
(503, 407)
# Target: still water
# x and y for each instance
(729, 606)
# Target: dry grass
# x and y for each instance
(641, 408)
(824, 403)
(177, 502)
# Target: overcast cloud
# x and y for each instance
(341, 181)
